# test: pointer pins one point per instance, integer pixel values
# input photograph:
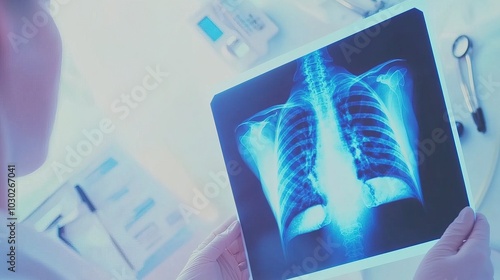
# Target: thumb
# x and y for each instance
(480, 235)
(458, 231)
(221, 242)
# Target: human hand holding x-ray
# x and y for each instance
(463, 252)
(220, 256)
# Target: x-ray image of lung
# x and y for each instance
(341, 144)
(340, 161)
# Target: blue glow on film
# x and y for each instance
(339, 146)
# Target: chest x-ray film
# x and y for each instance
(346, 154)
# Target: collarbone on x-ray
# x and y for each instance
(341, 144)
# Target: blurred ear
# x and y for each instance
(30, 64)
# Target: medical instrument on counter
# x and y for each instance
(237, 29)
(462, 48)
(379, 5)
(85, 199)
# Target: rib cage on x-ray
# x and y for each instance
(329, 108)
(371, 140)
(297, 176)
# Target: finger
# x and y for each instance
(217, 231)
(225, 225)
(456, 233)
(245, 273)
(480, 234)
(240, 258)
(243, 265)
(481, 230)
(237, 250)
(237, 246)
(221, 242)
